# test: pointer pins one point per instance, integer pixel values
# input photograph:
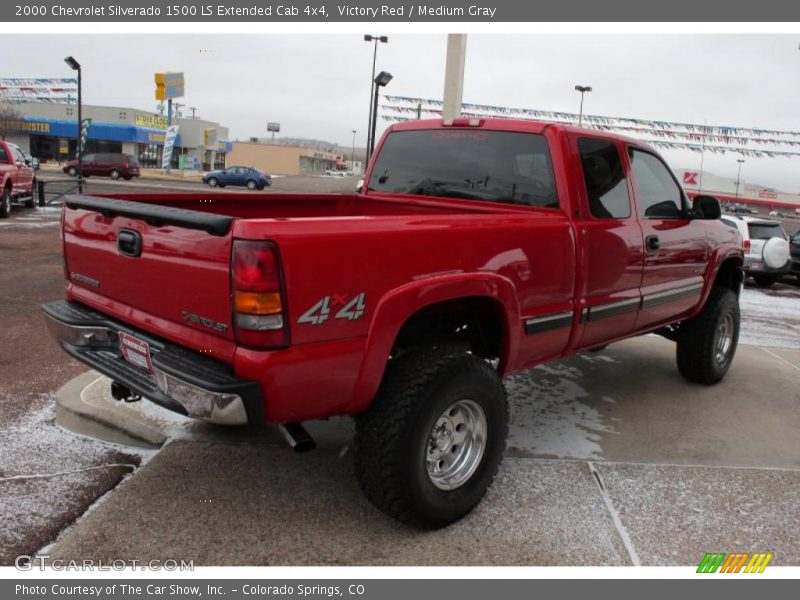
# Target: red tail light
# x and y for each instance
(746, 244)
(259, 310)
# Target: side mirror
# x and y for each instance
(28, 162)
(706, 207)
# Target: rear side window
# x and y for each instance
(3, 155)
(606, 186)
(470, 164)
(659, 196)
(764, 231)
(89, 158)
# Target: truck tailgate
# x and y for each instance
(148, 261)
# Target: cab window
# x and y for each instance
(604, 176)
(658, 194)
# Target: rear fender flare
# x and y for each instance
(396, 307)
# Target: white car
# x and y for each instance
(335, 173)
(766, 248)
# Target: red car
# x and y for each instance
(477, 248)
(105, 164)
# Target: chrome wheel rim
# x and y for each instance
(456, 445)
(724, 338)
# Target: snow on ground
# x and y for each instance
(771, 317)
(34, 219)
(548, 416)
(49, 476)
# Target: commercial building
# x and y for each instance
(48, 131)
(283, 160)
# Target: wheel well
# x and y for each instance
(730, 275)
(477, 323)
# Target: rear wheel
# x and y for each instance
(765, 280)
(115, 174)
(707, 343)
(212, 182)
(5, 203)
(430, 445)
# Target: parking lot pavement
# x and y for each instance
(650, 472)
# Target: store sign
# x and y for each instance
(156, 138)
(63, 146)
(150, 121)
(274, 127)
(169, 144)
(29, 126)
(85, 124)
(169, 85)
(210, 137)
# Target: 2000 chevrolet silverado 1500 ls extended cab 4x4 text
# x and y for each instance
(477, 248)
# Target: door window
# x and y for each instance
(658, 194)
(606, 186)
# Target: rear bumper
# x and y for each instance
(754, 265)
(181, 380)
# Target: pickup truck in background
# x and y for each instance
(476, 248)
(17, 178)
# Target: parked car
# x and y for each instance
(251, 178)
(478, 248)
(17, 179)
(766, 248)
(32, 161)
(105, 164)
(794, 247)
(335, 173)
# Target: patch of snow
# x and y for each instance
(770, 318)
(549, 417)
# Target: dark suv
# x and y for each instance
(794, 246)
(105, 164)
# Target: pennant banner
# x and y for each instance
(52, 91)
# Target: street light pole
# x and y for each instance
(353, 154)
(375, 39)
(582, 89)
(738, 175)
(75, 66)
(382, 80)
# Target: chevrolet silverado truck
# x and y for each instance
(17, 178)
(477, 248)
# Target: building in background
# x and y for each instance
(283, 160)
(48, 131)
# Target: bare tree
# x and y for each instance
(8, 113)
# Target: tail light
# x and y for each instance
(259, 310)
(746, 244)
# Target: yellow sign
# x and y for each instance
(151, 121)
(155, 138)
(210, 137)
(169, 85)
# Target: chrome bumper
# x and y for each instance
(219, 401)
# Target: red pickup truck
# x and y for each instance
(477, 248)
(17, 178)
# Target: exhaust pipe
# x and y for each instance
(297, 437)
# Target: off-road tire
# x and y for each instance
(392, 436)
(5, 203)
(697, 339)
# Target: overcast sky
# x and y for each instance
(318, 85)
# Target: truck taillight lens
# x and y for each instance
(746, 244)
(259, 310)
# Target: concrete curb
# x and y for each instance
(84, 405)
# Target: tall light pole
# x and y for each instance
(375, 39)
(353, 154)
(381, 80)
(582, 89)
(738, 175)
(75, 66)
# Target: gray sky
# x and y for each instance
(318, 85)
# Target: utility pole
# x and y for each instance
(193, 109)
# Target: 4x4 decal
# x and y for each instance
(350, 309)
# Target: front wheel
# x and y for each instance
(5, 204)
(251, 185)
(72, 172)
(707, 343)
(31, 202)
(430, 445)
(212, 182)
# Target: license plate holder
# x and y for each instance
(135, 351)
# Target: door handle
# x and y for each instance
(652, 243)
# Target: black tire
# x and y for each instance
(765, 280)
(701, 356)
(31, 202)
(212, 182)
(251, 185)
(5, 203)
(72, 172)
(392, 440)
(115, 174)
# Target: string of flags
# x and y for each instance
(45, 90)
(717, 139)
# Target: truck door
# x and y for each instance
(24, 176)
(675, 247)
(610, 243)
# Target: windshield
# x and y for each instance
(472, 164)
